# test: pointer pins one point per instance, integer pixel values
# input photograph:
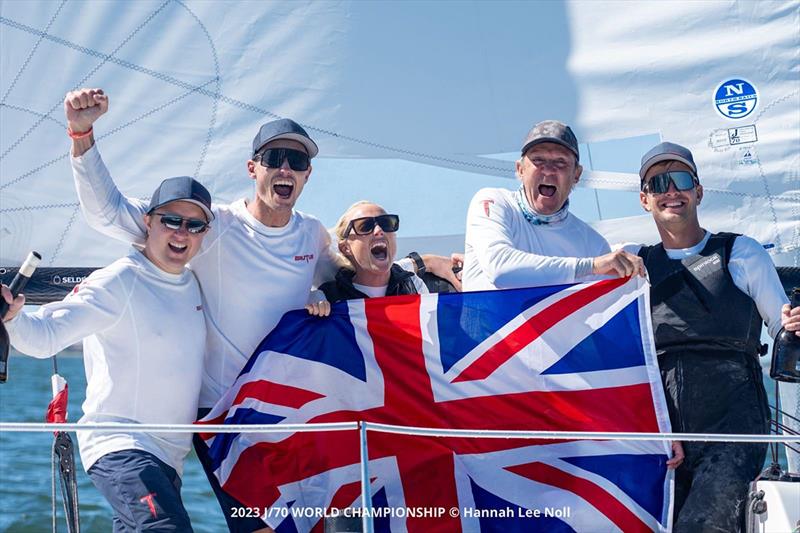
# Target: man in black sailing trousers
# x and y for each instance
(710, 293)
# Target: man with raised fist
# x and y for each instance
(258, 261)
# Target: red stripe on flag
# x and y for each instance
(597, 496)
(265, 466)
(533, 328)
(267, 392)
(275, 393)
(426, 464)
(397, 339)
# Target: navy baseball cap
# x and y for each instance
(284, 128)
(667, 151)
(551, 131)
(185, 189)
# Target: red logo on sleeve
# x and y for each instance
(78, 286)
(486, 206)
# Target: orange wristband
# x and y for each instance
(80, 135)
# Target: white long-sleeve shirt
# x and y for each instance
(143, 337)
(752, 271)
(503, 250)
(250, 274)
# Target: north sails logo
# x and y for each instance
(735, 98)
(306, 257)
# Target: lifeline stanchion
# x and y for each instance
(366, 493)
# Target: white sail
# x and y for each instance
(405, 99)
(415, 105)
(653, 69)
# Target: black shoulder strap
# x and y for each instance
(400, 282)
(646, 252)
(726, 240)
(437, 284)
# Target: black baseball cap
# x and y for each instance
(185, 189)
(552, 131)
(284, 128)
(667, 151)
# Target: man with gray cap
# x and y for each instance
(709, 294)
(528, 237)
(143, 330)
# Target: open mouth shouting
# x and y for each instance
(547, 191)
(283, 187)
(379, 250)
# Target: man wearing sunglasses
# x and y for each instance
(143, 329)
(528, 237)
(258, 261)
(709, 295)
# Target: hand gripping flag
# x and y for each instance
(569, 357)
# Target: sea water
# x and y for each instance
(25, 479)
(25, 464)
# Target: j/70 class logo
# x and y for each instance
(735, 98)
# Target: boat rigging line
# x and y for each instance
(62, 455)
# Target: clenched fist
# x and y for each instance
(83, 107)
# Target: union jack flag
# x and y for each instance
(568, 357)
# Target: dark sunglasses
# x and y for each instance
(365, 225)
(174, 222)
(274, 158)
(659, 183)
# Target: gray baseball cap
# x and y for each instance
(667, 151)
(284, 128)
(185, 189)
(551, 131)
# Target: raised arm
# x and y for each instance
(447, 268)
(105, 208)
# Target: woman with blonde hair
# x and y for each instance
(367, 243)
